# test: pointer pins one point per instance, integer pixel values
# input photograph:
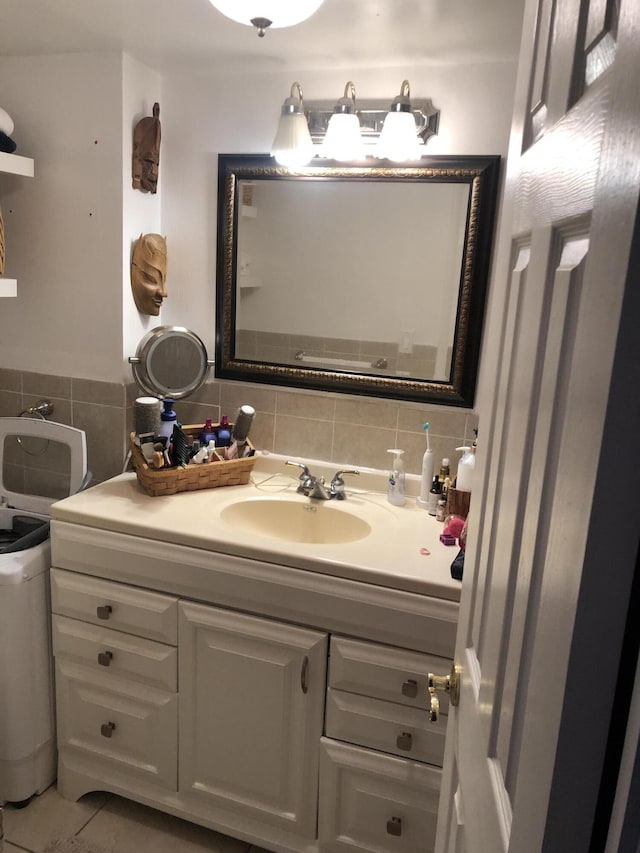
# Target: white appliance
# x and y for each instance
(27, 726)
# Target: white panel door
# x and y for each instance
(251, 714)
(553, 532)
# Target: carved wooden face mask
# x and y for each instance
(149, 273)
(146, 152)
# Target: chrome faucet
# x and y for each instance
(314, 487)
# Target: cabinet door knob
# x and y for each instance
(105, 658)
(405, 741)
(410, 688)
(106, 729)
(394, 826)
(104, 611)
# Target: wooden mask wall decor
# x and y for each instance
(149, 273)
(146, 152)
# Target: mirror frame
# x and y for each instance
(480, 173)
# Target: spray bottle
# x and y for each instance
(427, 472)
(395, 492)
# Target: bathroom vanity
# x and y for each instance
(242, 669)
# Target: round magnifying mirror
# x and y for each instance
(170, 361)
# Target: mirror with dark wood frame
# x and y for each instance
(364, 279)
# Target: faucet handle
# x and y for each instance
(307, 479)
(306, 474)
(337, 484)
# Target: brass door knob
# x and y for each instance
(450, 684)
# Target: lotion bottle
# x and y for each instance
(427, 472)
(466, 467)
(395, 492)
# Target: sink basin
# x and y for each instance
(316, 523)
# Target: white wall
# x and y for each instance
(204, 117)
(70, 233)
(141, 212)
(63, 227)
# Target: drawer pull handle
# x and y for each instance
(394, 826)
(105, 658)
(405, 741)
(410, 688)
(304, 675)
(106, 729)
(104, 611)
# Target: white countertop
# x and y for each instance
(392, 555)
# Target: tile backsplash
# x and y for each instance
(344, 429)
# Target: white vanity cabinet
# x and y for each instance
(251, 714)
(116, 692)
(281, 705)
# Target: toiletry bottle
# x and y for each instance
(224, 432)
(466, 467)
(395, 492)
(434, 496)
(441, 508)
(427, 472)
(167, 418)
(444, 471)
(207, 433)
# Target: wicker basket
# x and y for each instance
(210, 475)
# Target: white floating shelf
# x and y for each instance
(8, 287)
(14, 164)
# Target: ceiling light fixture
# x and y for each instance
(343, 141)
(398, 139)
(293, 145)
(265, 14)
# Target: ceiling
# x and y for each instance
(191, 36)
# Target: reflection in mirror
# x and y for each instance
(170, 361)
(367, 280)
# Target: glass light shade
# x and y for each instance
(342, 140)
(292, 145)
(398, 139)
(281, 13)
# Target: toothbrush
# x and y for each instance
(427, 472)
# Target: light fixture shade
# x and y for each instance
(292, 145)
(398, 138)
(281, 13)
(343, 140)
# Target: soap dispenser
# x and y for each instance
(395, 492)
(167, 418)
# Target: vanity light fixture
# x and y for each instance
(293, 145)
(343, 141)
(398, 139)
(263, 14)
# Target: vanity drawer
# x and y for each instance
(373, 802)
(120, 725)
(110, 652)
(386, 726)
(385, 672)
(114, 605)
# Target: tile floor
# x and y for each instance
(113, 824)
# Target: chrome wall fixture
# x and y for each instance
(350, 131)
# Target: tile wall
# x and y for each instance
(345, 429)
